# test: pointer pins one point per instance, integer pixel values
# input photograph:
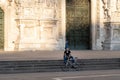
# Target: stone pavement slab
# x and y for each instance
(81, 75)
(55, 55)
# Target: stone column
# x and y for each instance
(8, 42)
(63, 24)
(93, 23)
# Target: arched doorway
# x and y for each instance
(1, 29)
(78, 24)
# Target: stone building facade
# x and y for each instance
(41, 24)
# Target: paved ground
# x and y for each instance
(43, 55)
(82, 75)
(48, 55)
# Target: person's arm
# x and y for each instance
(64, 53)
(70, 53)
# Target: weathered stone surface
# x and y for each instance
(41, 24)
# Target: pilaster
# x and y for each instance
(93, 23)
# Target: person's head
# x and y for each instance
(67, 49)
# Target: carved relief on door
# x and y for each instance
(78, 23)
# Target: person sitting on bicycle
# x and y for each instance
(67, 55)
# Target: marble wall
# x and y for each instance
(112, 26)
(41, 24)
(34, 24)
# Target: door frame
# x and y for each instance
(93, 18)
(3, 28)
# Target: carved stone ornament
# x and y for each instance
(118, 5)
(104, 1)
(10, 0)
(106, 10)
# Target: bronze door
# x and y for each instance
(78, 24)
(1, 29)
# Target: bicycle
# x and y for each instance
(71, 66)
(70, 63)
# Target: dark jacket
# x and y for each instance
(67, 53)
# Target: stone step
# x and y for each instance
(28, 66)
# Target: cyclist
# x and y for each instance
(67, 55)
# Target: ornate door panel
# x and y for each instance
(1, 29)
(78, 24)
